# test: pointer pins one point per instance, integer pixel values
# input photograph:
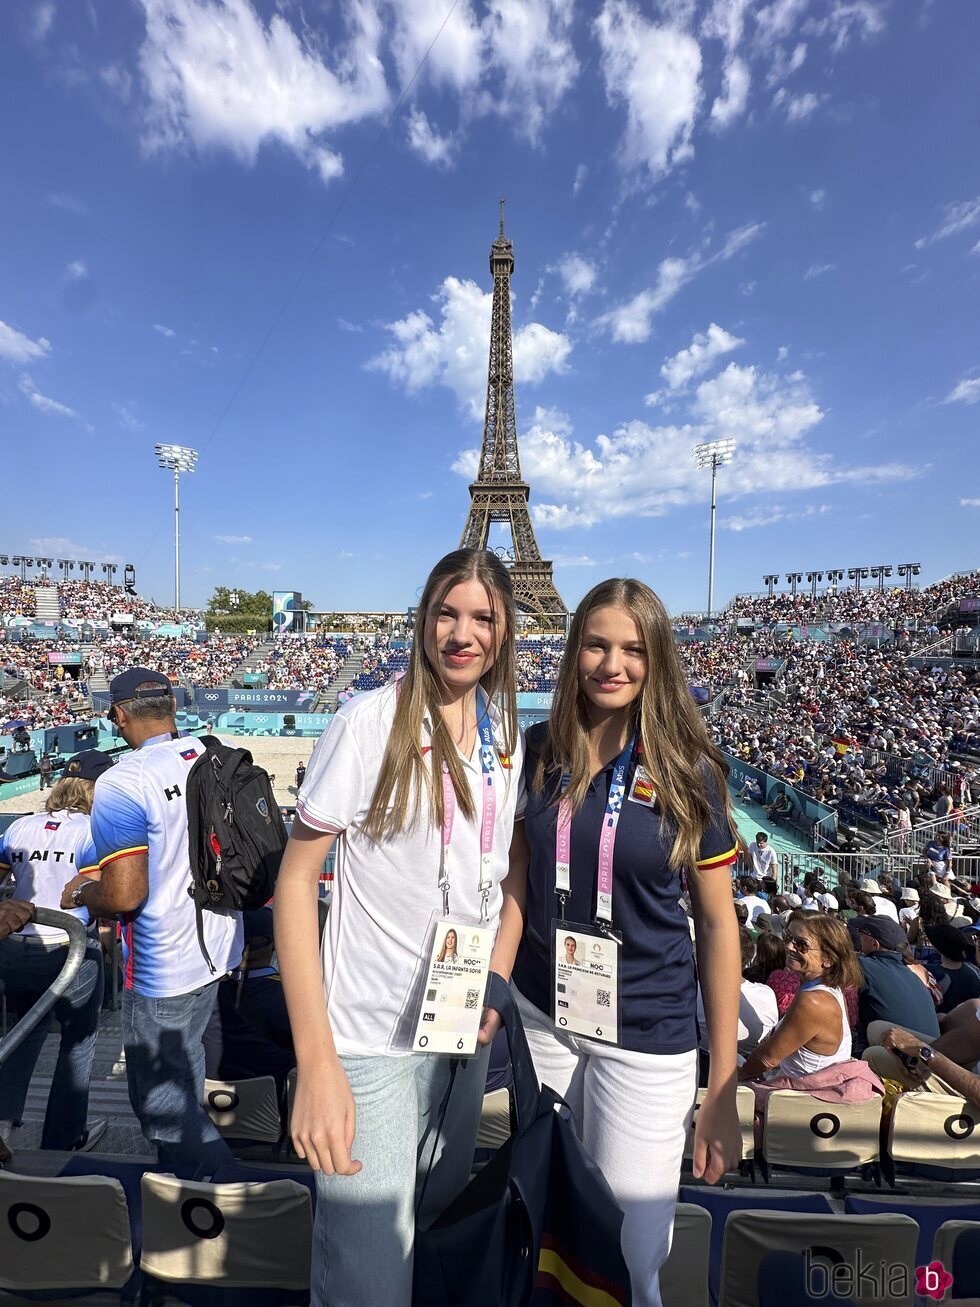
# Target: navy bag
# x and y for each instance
(539, 1225)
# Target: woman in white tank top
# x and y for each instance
(814, 1033)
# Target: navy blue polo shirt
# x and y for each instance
(658, 987)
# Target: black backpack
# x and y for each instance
(235, 831)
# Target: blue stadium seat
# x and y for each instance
(721, 1202)
(929, 1213)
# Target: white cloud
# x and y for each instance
(164, 331)
(957, 217)
(632, 322)
(68, 203)
(454, 352)
(970, 503)
(818, 270)
(847, 18)
(577, 273)
(645, 471)
(785, 63)
(217, 77)
(455, 60)
(798, 107)
(782, 354)
(77, 270)
(573, 560)
(15, 347)
(63, 547)
(769, 515)
(233, 540)
(817, 198)
(344, 325)
(734, 98)
(426, 141)
(43, 20)
(725, 21)
(700, 356)
(529, 42)
(976, 248)
(42, 403)
(655, 71)
(128, 418)
(581, 172)
(966, 391)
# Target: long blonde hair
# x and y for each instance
(411, 767)
(71, 794)
(685, 766)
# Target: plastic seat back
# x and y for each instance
(801, 1132)
(934, 1135)
(63, 1233)
(684, 1275)
(745, 1106)
(247, 1236)
(245, 1109)
(869, 1260)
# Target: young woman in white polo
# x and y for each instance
(417, 783)
(626, 796)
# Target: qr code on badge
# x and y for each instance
(472, 999)
(602, 997)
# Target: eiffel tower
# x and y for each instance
(499, 493)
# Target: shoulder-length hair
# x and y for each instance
(412, 766)
(688, 771)
(70, 794)
(834, 941)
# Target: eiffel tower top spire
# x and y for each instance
(499, 494)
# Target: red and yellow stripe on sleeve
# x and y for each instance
(123, 853)
(719, 860)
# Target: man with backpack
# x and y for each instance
(174, 954)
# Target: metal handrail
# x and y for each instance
(77, 941)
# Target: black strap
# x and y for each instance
(200, 938)
(526, 1097)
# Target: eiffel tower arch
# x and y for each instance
(500, 494)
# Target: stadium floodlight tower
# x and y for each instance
(713, 454)
(44, 564)
(813, 578)
(110, 570)
(771, 580)
(834, 576)
(857, 575)
(879, 573)
(66, 565)
(908, 570)
(176, 459)
(87, 568)
(794, 578)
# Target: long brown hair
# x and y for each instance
(409, 765)
(684, 764)
(834, 941)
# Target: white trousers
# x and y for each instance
(632, 1111)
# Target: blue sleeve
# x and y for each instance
(119, 823)
(719, 847)
(87, 860)
(4, 855)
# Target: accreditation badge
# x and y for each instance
(455, 987)
(585, 967)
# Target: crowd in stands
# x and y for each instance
(537, 662)
(893, 606)
(16, 598)
(95, 601)
(303, 662)
(905, 960)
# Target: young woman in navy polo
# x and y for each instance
(626, 795)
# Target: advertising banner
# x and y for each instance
(969, 605)
(258, 700)
(769, 664)
(301, 725)
(71, 659)
(287, 607)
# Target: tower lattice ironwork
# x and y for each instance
(499, 493)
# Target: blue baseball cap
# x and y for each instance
(87, 765)
(127, 685)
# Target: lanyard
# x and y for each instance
(607, 838)
(487, 819)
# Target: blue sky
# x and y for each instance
(262, 230)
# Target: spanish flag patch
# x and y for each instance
(506, 763)
(642, 790)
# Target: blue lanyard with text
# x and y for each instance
(487, 819)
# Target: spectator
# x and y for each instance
(139, 824)
(300, 775)
(957, 976)
(37, 851)
(815, 1033)
(750, 900)
(46, 770)
(889, 990)
(763, 858)
(248, 1034)
(756, 1005)
(884, 906)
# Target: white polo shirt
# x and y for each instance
(43, 853)
(385, 893)
(765, 861)
(141, 807)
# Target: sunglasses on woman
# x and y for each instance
(800, 945)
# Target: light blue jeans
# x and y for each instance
(416, 1146)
